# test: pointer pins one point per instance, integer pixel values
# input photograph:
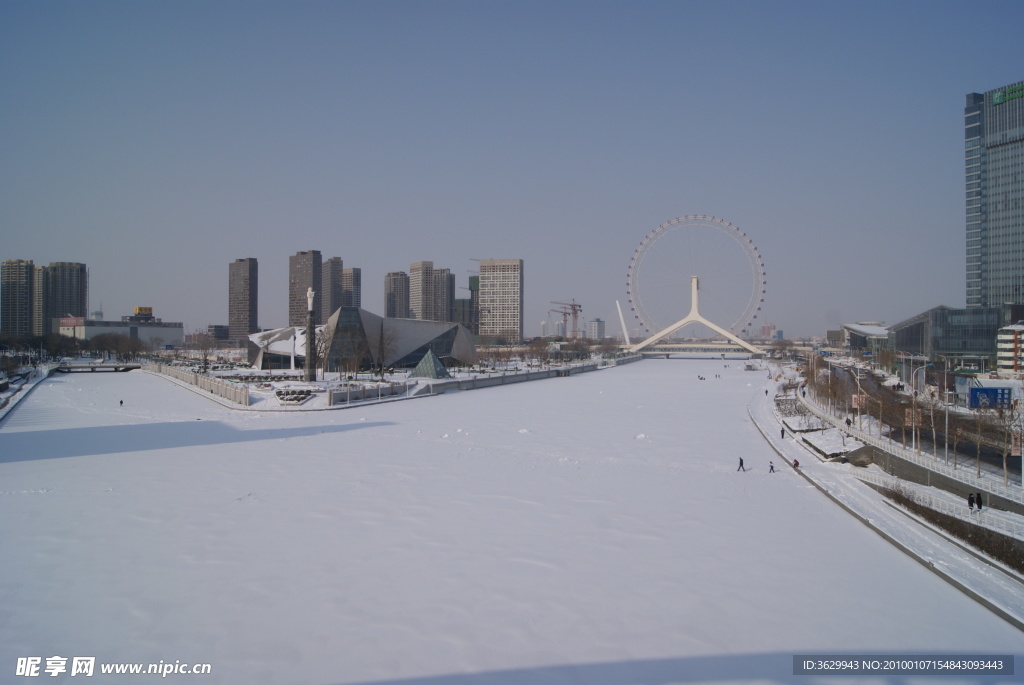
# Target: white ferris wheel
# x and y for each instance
(723, 258)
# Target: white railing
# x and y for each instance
(237, 393)
(991, 519)
(987, 481)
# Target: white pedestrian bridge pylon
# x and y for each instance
(693, 317)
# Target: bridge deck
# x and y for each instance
(104, 366)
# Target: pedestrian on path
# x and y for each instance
(766, 392)
(122, 403)
(977, 500)
(741, 465)
(771, 467)
(782, 433)
(970, 502)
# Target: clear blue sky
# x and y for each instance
(159, 141)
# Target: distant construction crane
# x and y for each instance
(565, 318)
(574, 309)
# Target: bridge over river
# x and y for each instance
(76, 367)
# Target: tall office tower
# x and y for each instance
(444, 295)
(994, 154)
(17, 285)
(501, 299)
(421, 290)
(396, 295)
(243, 298)
(305, 271)
(333, 288)
(352, 287)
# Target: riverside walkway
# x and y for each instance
(987, 482)
(989, 583)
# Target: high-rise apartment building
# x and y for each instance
(421, 290)
(444, 295)
(396, 295)
(68, 291)
(352, 287)
(332, 296)
(501, 299)
(595, 329)
(243, 298)
(33, 297)
(17, 287)
(994, 183)
(305, 271)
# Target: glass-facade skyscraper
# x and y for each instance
(243, 298)
(994, 168)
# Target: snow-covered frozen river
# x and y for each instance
(591, 529)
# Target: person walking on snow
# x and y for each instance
(970, 502)
(977, 500)
(771, 467)
(741, 465)
(782, 433)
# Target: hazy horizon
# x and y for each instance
(158, 142)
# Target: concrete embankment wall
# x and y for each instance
(233, 392)
(915, 473)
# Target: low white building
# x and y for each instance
(142, 326)
(1009, 343)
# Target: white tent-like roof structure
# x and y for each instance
(393, 342)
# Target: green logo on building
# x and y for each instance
(998, 97)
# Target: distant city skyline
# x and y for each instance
(452, 132)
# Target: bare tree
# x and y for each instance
(958, 432)
(387, 343)
(321, 348)
(782, 347)
(607, 346)
(351, 349)
(538, 349)
(1007, 422)
(204, 344)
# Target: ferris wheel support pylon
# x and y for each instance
(693, 317)
(622, 322)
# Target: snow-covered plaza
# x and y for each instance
(591, 529)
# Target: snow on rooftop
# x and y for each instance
(870, 331)
(590, 529)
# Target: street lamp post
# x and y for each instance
(945, 397)
(915, 437)
(310, 333)
(860, 400)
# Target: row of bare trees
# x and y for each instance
(900, 414)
